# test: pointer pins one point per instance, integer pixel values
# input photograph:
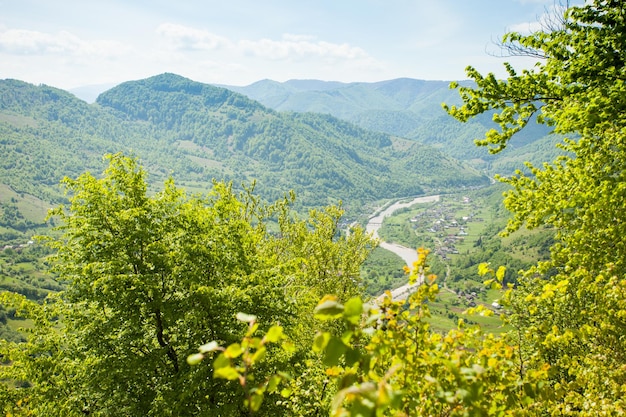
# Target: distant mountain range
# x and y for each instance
(90, 93)
(416, 100)
(406, 108)
(197, 132)
(402, 107)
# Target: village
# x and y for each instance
(449, 222)
(17, 247)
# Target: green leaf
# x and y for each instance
(251, 343)
(195, 359)
(246, 318)
(334, 350)
(352, 356)
(209, 347)
(227, 372)
(320, 341)
(483, 268)
(328, 309)
(288, 346)
(222, 368)
(233, 350)
(272, 384)
(353, 310)
(259, 355)
(221, 361)
(500, 273)
(274, 334)
(255, 402)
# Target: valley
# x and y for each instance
(310, 248)
(197, 133)
(201, 137)
(452, 227)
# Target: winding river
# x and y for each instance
(409, 255)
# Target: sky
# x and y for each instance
(74, 43)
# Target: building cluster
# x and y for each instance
(17, 247)
(448, 230)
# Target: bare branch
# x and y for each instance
(553, 20)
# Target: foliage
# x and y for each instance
(382, 271)
(320, 157)
(237, 361)
(394, 106)
(197, 133)
(151, 277)
(387, 361)
(569, 311)
(465, 233)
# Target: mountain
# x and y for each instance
(409, 102)
(402, 107)
(269, 88)
(197, 132)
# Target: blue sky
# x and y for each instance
(71, 43)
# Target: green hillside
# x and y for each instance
(197, 132)
(408, 108)
(356, 102)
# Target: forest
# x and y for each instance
(198, 132)
(168, 300)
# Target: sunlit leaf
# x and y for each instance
(274, 334)
(255, 402)
(209, 347)
(227, 372)
(353, 309)
(246, 318)
(334, 350)
(483, 268)
(328, 308)
(259, 355)
(233, 350)
(500, 273)
(195, 358)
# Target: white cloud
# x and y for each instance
(66, 60)
(289, 46)
(29, 42)
(184, 37)
(298, 38)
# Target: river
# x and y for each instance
(409, 255)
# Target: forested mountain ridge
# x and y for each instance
(318, 155)
(197, 132)
(349, 100)
(405, 107)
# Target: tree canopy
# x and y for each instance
(570, 311)
(159, 284)
(151, 277)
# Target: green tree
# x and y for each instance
(569, 311)
(388, 362)
(151, 277)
